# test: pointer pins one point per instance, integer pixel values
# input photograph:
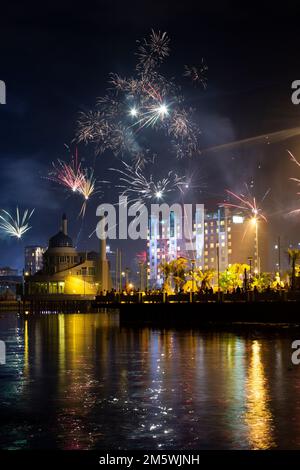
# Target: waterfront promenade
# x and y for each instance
(272, 307)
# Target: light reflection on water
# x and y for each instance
(82, 382)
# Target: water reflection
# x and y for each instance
(258, 416)
(82, 382)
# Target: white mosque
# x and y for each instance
(69, 272)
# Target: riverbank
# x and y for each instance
(179, 314)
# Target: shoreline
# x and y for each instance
(267, 314)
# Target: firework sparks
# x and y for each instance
(198, 75)
(297, 180)
(15, 226)
(87, 188)
(69, 175)
(146, 100)
(247, 204)
(153, 51)
(138, 187)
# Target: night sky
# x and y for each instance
(56, 59)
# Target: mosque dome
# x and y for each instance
(60, 240)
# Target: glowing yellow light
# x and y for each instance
(258, 416)
(77, 285)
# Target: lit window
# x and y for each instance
(237, 219)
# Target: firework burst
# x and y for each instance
(15, 226)
(69, 175)
(147, 100)
(248, 204)
(138, 187)
(198, 75)
(153, 51)
(87, 189)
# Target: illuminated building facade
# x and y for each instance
(67, 271)
(220, 238)
(230, 238)
(166, 241)
(33, 259)
(162, 246)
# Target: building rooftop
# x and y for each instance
(60, 240)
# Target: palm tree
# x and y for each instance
(178, 268)
(294, 256)
(205, 277)
(166, 269)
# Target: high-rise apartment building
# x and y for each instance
(219, 238)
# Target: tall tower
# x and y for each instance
(64, 226)
(104, 274)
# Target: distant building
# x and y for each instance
(33, 259)
(220, 238)
(6, 271)
(67, 271)
(9, 282)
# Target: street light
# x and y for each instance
(254, 221)
(193, 274)
(250, 265)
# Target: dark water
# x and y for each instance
(82, 382)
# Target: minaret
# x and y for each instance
(64, 225)
(105, 281)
